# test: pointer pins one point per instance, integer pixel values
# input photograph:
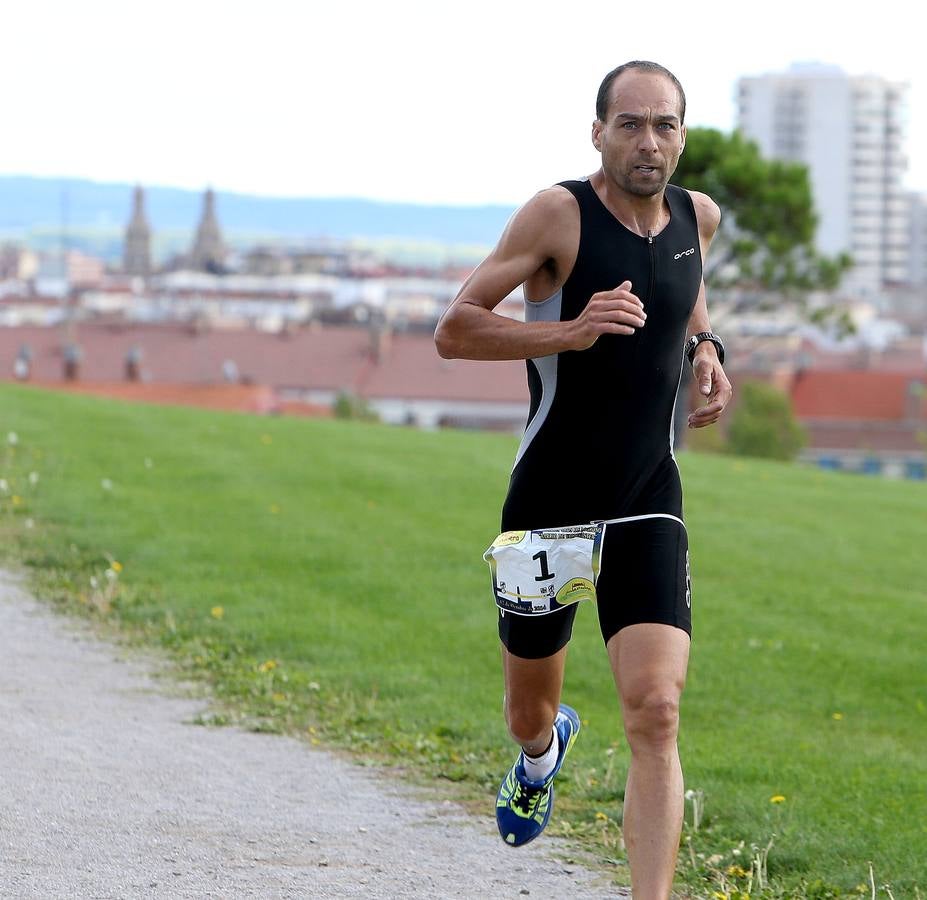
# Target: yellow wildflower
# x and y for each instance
(777, 798)
(217, 612)
(601, 817)
(837, 716)
(16, 500)
(116, 566)
(268, 666)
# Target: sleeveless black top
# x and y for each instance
(598, 443)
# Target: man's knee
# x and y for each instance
(651, 720)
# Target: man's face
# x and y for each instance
(641, 138)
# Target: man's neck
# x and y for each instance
(642, 215)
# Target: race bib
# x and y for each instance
(539, 572)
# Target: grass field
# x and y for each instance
(325, 577)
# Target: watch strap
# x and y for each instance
(696, 339)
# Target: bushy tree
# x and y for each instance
(766, 237)
(351, 406)
(763, 424)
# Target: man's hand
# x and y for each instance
(712, 383)
(608, 312)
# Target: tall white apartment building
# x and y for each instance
(918, 267)
(849, 132)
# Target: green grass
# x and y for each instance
(346, 561)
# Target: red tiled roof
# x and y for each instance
(327, 358)
(857, 395)
(411, 368)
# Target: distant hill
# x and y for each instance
(36, 207)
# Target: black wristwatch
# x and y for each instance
(697, 339)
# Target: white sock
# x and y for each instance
(537, 768)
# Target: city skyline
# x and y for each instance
(402, 103)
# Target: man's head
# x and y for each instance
(603, 98)
(639, 127)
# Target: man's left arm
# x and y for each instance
(709, 374)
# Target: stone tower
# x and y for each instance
(136, 253)
(208, 253)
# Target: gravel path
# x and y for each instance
(105, 792)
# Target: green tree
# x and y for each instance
(763, 424)
(766, 237)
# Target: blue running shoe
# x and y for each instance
(523, 807)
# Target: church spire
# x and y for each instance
(137, 246)
(208, 253)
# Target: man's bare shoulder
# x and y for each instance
(707, 212)
(548, 224)
(553, 203)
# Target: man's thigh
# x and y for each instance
(644, 576)
(649, 660)
(536, 636)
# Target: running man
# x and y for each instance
(615, 301)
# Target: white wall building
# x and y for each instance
(918, 266)
(849, 132)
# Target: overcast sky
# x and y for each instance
(479, 102)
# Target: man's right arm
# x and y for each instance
(544, 231)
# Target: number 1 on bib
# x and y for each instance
(541, 556)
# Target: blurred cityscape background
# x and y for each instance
(296, 306)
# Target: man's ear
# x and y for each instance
(597, 134)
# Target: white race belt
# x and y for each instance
(539, 572)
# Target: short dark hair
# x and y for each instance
(642, 65)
